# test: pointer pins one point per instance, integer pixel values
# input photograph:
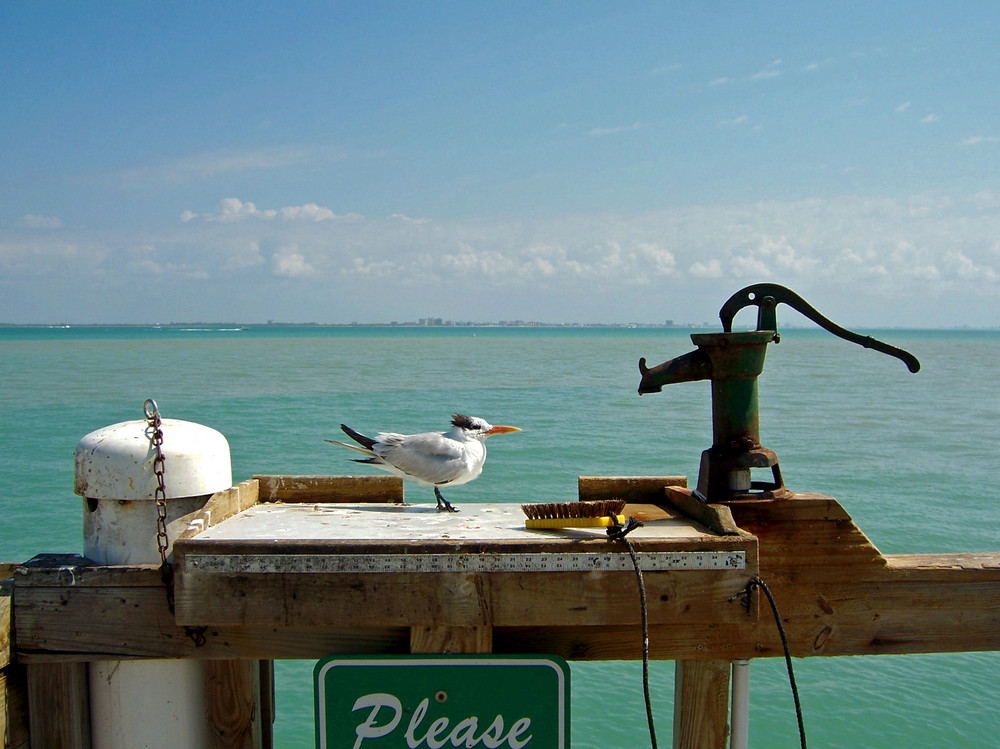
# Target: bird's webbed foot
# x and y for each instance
(443, 504)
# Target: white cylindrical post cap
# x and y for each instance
(116, 462)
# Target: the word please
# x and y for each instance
(465, 733)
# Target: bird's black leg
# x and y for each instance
(443, 504)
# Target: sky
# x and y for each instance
(341, 162)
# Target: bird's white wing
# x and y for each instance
(431, 457)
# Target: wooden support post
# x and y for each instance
(470, 639)
(701, 704)
(13, 707)
(233, 704)
(267, 703)
(59, 705)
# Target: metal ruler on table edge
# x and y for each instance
(649, 561)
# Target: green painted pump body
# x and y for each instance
(732, 361)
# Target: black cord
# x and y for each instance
(617, 533)
(756, 582)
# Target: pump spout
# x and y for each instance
(690, 367)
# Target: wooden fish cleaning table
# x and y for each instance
(472, 581)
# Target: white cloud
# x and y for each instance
(931, 118)
(41, 222)
(241, 255)
(231, 210)
(407, 220)
(288, 262)
(612, 130)
(307, 212)
(871, 256)
(978, 140)
(710, 269)
(234, 209)
(967, 269)
(904, 106)
(771, 70)
(211, 164)
(380, 269)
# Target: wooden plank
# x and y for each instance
(633, 489)
(924, 563)
(59, 705)
(837, 595)
(719, 518)
(14, 707)
(454, 599)
(118, 623)
(220, 506)
(690, 640)
(7, 569)
(474, 639)
(233, 704)
(309, 489)
(74, 610)
(701, 704)
(6, 626)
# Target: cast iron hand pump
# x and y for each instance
(733, 361)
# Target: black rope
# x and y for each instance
(754, 583)
(618, 532)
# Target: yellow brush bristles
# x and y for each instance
(592, 514)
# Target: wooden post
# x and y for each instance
(59, 705)
(13, 707)
(701, 704)
(233, 704)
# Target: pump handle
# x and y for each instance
(767, 296)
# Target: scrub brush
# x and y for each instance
(601, 513)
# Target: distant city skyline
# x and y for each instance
(342, 162)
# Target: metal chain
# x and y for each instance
(152, 414)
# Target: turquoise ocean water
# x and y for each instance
(913, 458)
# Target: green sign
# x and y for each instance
(434, 701)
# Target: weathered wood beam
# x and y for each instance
(635, 490)
(458, 599)
(474, 639)
(837, 595)
(220, 506)
(73, 610)
(308, 489)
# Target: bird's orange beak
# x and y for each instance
(502, 430)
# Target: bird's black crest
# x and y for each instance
(463, 422)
